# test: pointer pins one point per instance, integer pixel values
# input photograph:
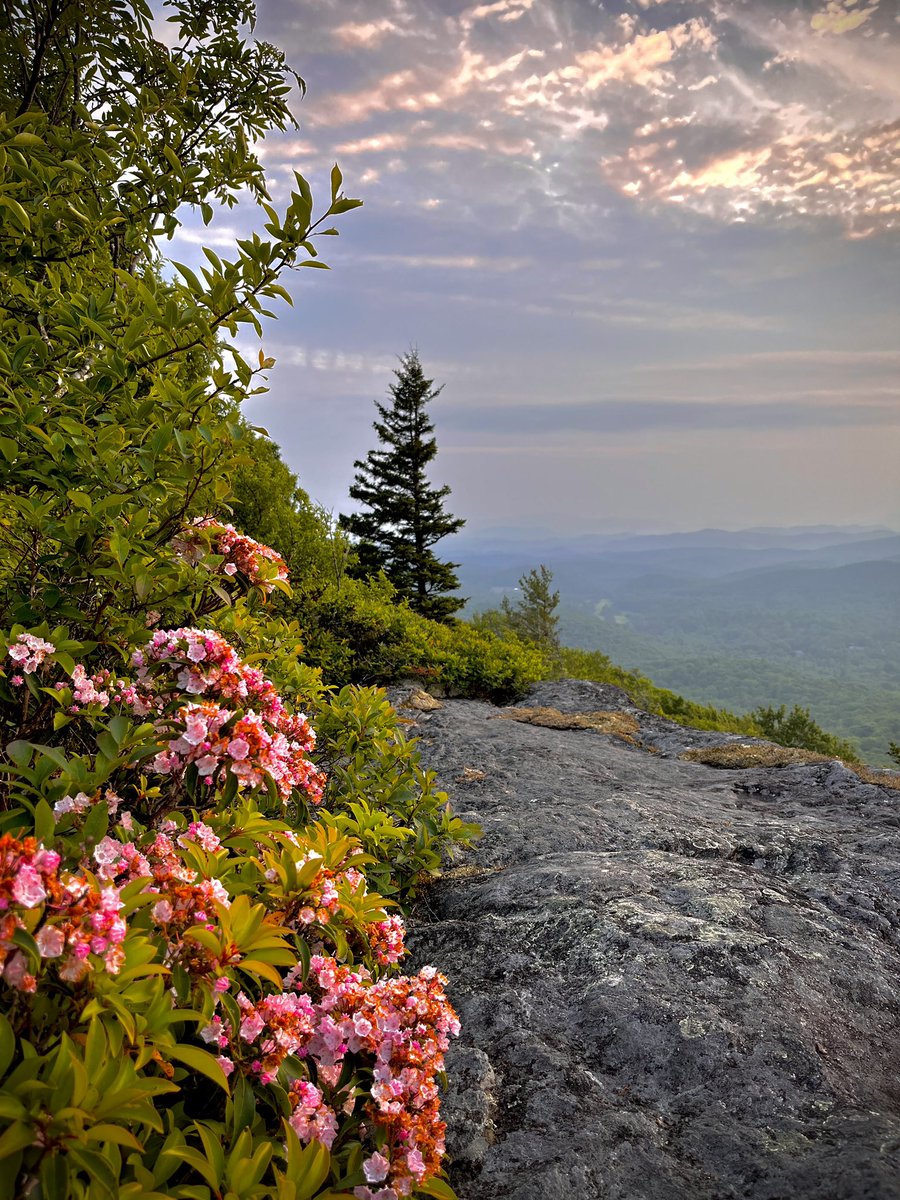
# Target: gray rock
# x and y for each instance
(674, 981)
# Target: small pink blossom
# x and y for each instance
(376, 1168)
(50, 941)
(238, 748)
(28, 888)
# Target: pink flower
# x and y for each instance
(222, 984)
(238, 748)
(28, 888)
(376, 1168)
(50, 941)
(107, 851)
(252, 1026)
(415, 1163)
(162, 911)
(29, 652)
(17, 975)
(46, 861)
(213, 1031)
(226, 1064)
(202, 834)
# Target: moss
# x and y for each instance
(740, 756)
(616, 724)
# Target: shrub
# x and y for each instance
(797, 728)
(358, 633)
(160, 929)
(593, 665)
(201, 990)
(378, 790)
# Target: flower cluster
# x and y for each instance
(100, 688)
(77, 920)
(265, 740)
(186, 899)
(386, 940)
(311, 1116)
(397, 1028)
(81, 802)
(28, 652)
(259, 564)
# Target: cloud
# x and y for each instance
(453, 262)
(517, 422)
(503, 10)
(378, 143)
(841, 16)
(640, 60)
(366, 34)
(738, 112)
(853, 360)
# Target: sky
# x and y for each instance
(651, 249)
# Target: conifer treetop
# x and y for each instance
(402, 514)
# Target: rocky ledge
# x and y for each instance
(676, 980)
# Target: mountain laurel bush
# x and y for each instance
(201, 981)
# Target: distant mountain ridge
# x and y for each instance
(735, 618)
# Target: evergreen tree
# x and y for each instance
(403, 515)
(534, 617)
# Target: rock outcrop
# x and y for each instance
(676, 981)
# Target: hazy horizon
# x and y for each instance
(649, 246)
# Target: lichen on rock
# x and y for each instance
(676, 982)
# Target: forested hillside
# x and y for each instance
(736, 620)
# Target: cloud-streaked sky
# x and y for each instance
(651, 247)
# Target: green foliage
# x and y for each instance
(894, 753)
(403, 515)
(268, 503)
(358, 633)
(151, 902)
(473, 663)
(379, 792)
(109, 435)
(797, 728)
(595, 666)
(825, 640)
(533, 617)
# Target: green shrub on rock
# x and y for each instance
(357, 632)
(378, 790)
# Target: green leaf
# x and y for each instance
(96, 823)
(54, 1175)
(20, 753)
(7, 1044)
(44, 822)
(342, 206)
(15, 1138)
(107, 1132)
(436, 1187)
(198, 1060)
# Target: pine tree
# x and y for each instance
(534, 616)
(403, 515)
